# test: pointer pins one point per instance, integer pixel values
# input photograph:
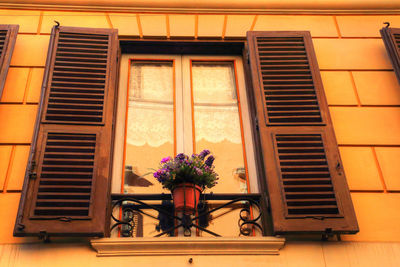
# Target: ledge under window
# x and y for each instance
(266, 245)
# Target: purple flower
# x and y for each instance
(209, 161)
(204, 153)
(164, 160)
(198, 171)
(180, 156)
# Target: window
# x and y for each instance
(182, 104)
(8, 35)
(69, 174)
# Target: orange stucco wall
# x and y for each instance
(362, 91)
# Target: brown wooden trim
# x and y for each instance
(6, 52)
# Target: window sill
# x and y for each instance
(267, 245)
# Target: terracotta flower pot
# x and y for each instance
(186, 197)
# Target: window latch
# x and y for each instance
(32, 172)
(256, 122)
(338, 168)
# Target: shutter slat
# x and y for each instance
(74, 111)
(76, 69)
(70, 39)
(73, 95)
(78, 53)
(62, 195)
(75, 106)
(78, 73)
(78, 64)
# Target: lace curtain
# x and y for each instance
(150, 112)
(216, 113)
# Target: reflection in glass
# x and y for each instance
(217, 124)
(150, 123)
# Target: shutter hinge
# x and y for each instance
(264, 197)
(65, 219)
(20, 226)
(256, 122)
(43, 235)
(267, 202)
(32, 171)
(320, 218)
(338, 168)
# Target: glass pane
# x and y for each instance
(217, 124)
(150, 123)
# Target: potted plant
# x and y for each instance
(186, 177)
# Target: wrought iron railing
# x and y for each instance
(129, 209)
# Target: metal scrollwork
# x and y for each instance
(245, 220)
(169, 222)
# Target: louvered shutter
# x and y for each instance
(8, 35)
(67, 183)
(304, 176)
(391, 38)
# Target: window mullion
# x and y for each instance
(187, 105)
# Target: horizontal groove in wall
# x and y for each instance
(366, 191)
(365, 106)
(356, 69)
(16, 144)
(187, 10)
(13, 191)
(26, 66)
(342, 106)
(368, 145)
(376, 191)
(360, 37)
(380, 106)
(11, 103)
(20, 103)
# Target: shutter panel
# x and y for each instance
(304, 175)
(391, 38)
(67, 184)
(8, 35)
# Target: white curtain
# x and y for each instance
(150, 108)
(150, 112)
(216, 113)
